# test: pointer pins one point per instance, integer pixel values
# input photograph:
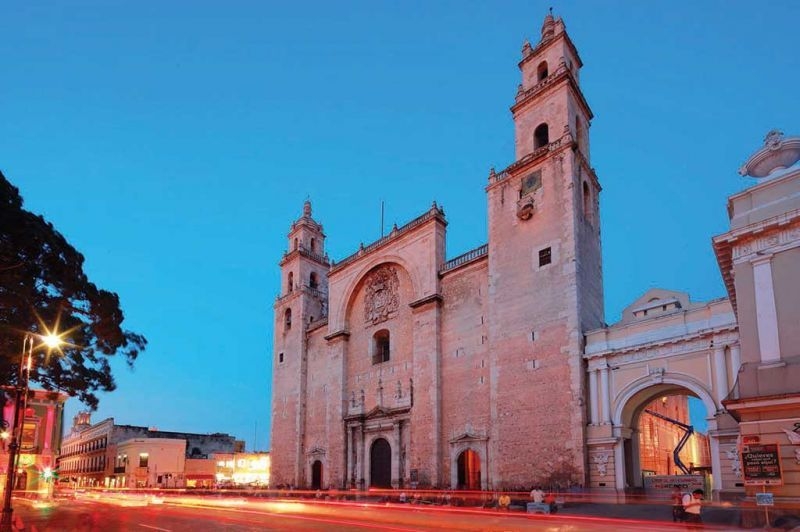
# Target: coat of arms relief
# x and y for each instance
(381, 295)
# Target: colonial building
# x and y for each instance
(397, 366)
(40, 429)
(759, 258)
(91, 455)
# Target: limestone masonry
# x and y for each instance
(396, 366)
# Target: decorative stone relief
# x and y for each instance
(601, 461)
(736, 464)
(778, 237)
(657, 374)
(381, 297)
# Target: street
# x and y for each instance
(195, 514)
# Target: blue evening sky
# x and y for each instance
(174, 142)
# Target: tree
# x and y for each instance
(42, 284)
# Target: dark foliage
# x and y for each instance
(43, 285)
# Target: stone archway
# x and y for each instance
(469, 470)
(630, 407)
(380, 464)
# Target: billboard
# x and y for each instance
(761, 464)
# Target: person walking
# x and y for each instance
(677, 504)
(692, 503)
(537, 495)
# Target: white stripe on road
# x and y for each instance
(156, 528)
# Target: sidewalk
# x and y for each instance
(727, 517)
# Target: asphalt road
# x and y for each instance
(238, 515)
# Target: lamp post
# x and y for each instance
(26, 360)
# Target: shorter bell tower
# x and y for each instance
(303, 301)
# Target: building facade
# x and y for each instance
(41, 428)
(759, 258)
(90, 454)
(149, 462)
(495, 369)
(398, 367)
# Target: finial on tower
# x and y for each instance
(548, 27)
(307, 208)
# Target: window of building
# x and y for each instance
(312, 280)
(280, 358)
(380, 347)
(541, 136)
(287, 319)
(313, 245)
(290, 282)
(295, 244)
(143, 459)
(587, 203)
(545, 257)
(541, 71)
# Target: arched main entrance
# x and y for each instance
(316, 475)
(380, 464)
(469, 470)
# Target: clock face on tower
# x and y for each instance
(531, 183)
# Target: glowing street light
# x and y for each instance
(52, 340)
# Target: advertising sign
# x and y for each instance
(764, 499)
(761, 465)
(667, 482)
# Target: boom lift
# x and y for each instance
(678, 448)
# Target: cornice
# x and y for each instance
(342, 334)
(432, 298)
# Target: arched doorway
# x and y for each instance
(380, 464)
(469, 470)
(316, 475)
(655, 420)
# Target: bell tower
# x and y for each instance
(545, 274)
(303, 300)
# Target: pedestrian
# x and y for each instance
(537, 495)
(691, 508)
(504, 501)
(677, 504)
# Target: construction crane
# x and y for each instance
(678, 448)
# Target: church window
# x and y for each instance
(587, 203)
(541, 136)
(287, 319)
(290, 282)
(545, 257)
(312, 280)
(280, 358)
(541, 71)
(380, 347)
(295, 243)
(578, 132)
(313, 246)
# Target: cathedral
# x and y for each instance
(396, 366)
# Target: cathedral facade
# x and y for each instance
(398, 367)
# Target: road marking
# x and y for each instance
(156, 528)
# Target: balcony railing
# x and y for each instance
(469, 256)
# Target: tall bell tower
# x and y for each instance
(545, 274)
(302, 301)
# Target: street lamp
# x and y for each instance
(51, 340)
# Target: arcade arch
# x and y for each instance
(631, 409)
